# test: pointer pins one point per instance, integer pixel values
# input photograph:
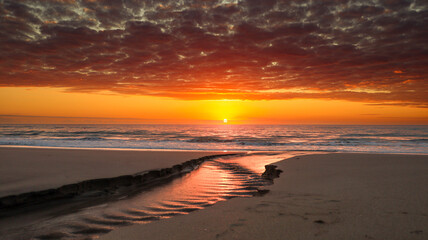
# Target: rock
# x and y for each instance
(271, 172)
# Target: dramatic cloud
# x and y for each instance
(373, 50)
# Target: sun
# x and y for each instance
(225, 120)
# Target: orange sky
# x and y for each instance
(114, 108)
(277, 62)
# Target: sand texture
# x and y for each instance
(34, 169)
(328, 196)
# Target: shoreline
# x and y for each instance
(204, 150)
(120, 149)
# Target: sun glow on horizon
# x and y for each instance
(55, 105)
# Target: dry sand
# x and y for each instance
(331, 196)
(33, 169)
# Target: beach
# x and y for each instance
(323, 196)
(327, 196)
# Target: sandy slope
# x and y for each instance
(33, 169)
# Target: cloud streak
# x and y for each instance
(371, 51)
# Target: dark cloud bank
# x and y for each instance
(372, 51)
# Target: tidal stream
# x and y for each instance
(215, 180)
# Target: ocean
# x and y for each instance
(334, 138)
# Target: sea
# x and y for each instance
(227, 137)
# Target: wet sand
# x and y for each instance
(34, 169)
(327, 196)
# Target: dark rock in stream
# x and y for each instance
(271, 172)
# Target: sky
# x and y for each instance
(254, 61)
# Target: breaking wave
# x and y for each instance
(406, 139)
